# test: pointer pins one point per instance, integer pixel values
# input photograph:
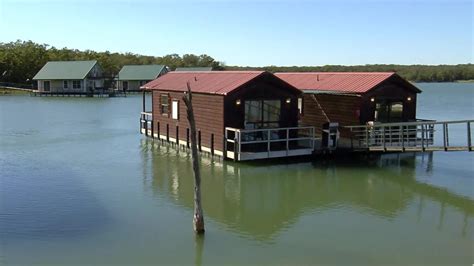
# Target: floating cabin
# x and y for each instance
(248, 115)
(132, 77)
(71, 77)
(241, 115)
(354, 98)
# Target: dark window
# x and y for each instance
(262, 113)
(65, 84)
(76, 84)
(164, 99)
(47, 85)
(125, 85)
(387, 111)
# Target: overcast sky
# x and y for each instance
(253, 33)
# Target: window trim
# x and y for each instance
(165, 104)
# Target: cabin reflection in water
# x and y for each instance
(261, 200)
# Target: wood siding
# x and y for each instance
(337, 108)
(208, 113)
(357, 109)
(263, 88)
(393, 89)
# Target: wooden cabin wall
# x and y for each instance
(338, 108)
(392, 89)
(264, 88)
(208, 113)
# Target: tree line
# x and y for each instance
(21, 60)
(416, 73)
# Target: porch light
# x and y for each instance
(372, 99)
(288, 100)
(237, 102)
(409, 98)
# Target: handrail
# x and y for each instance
(428, 122)
(265, 136)
(265, 129)
(407, 135)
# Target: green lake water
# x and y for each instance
(80, 186)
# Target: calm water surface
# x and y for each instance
(79, 185)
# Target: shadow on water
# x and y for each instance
(50, 203)
(261, 199)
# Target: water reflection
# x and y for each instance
(259, 200)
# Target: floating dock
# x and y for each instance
(245, 145)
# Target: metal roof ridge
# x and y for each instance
(342, 72)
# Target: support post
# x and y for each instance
(422, 137)
(469, 148)
(367, 136)
(152, 128)
(445, 131)
(352, 139)
(403, 138)
(268, 143)
(143, 101)
(287, 141)
(383, 139)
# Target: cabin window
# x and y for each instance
(164, 101)
(262, 113)
(47, 85)
(175, 109)
(143, 82)
(65, 84)
(76, 84)
(386, 112)
(125, 85)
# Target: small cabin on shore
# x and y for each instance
(239, 114)
(70, 77)
(354, 98)
(132, 77)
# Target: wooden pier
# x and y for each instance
(99, 94)
(416, 136)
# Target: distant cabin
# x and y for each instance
(70, 77)
(132, 77)
(193, 69)
(251, 100)
(353, 98)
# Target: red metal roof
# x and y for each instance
(345, 82)
(212, 82)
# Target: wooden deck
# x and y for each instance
(419, 136)
(99, 94)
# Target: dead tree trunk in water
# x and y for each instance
(198, 219)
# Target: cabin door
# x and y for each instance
(388, 112)
(46, 85)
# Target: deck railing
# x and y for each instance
(250, 144)
(146, 123)
(419, 135)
